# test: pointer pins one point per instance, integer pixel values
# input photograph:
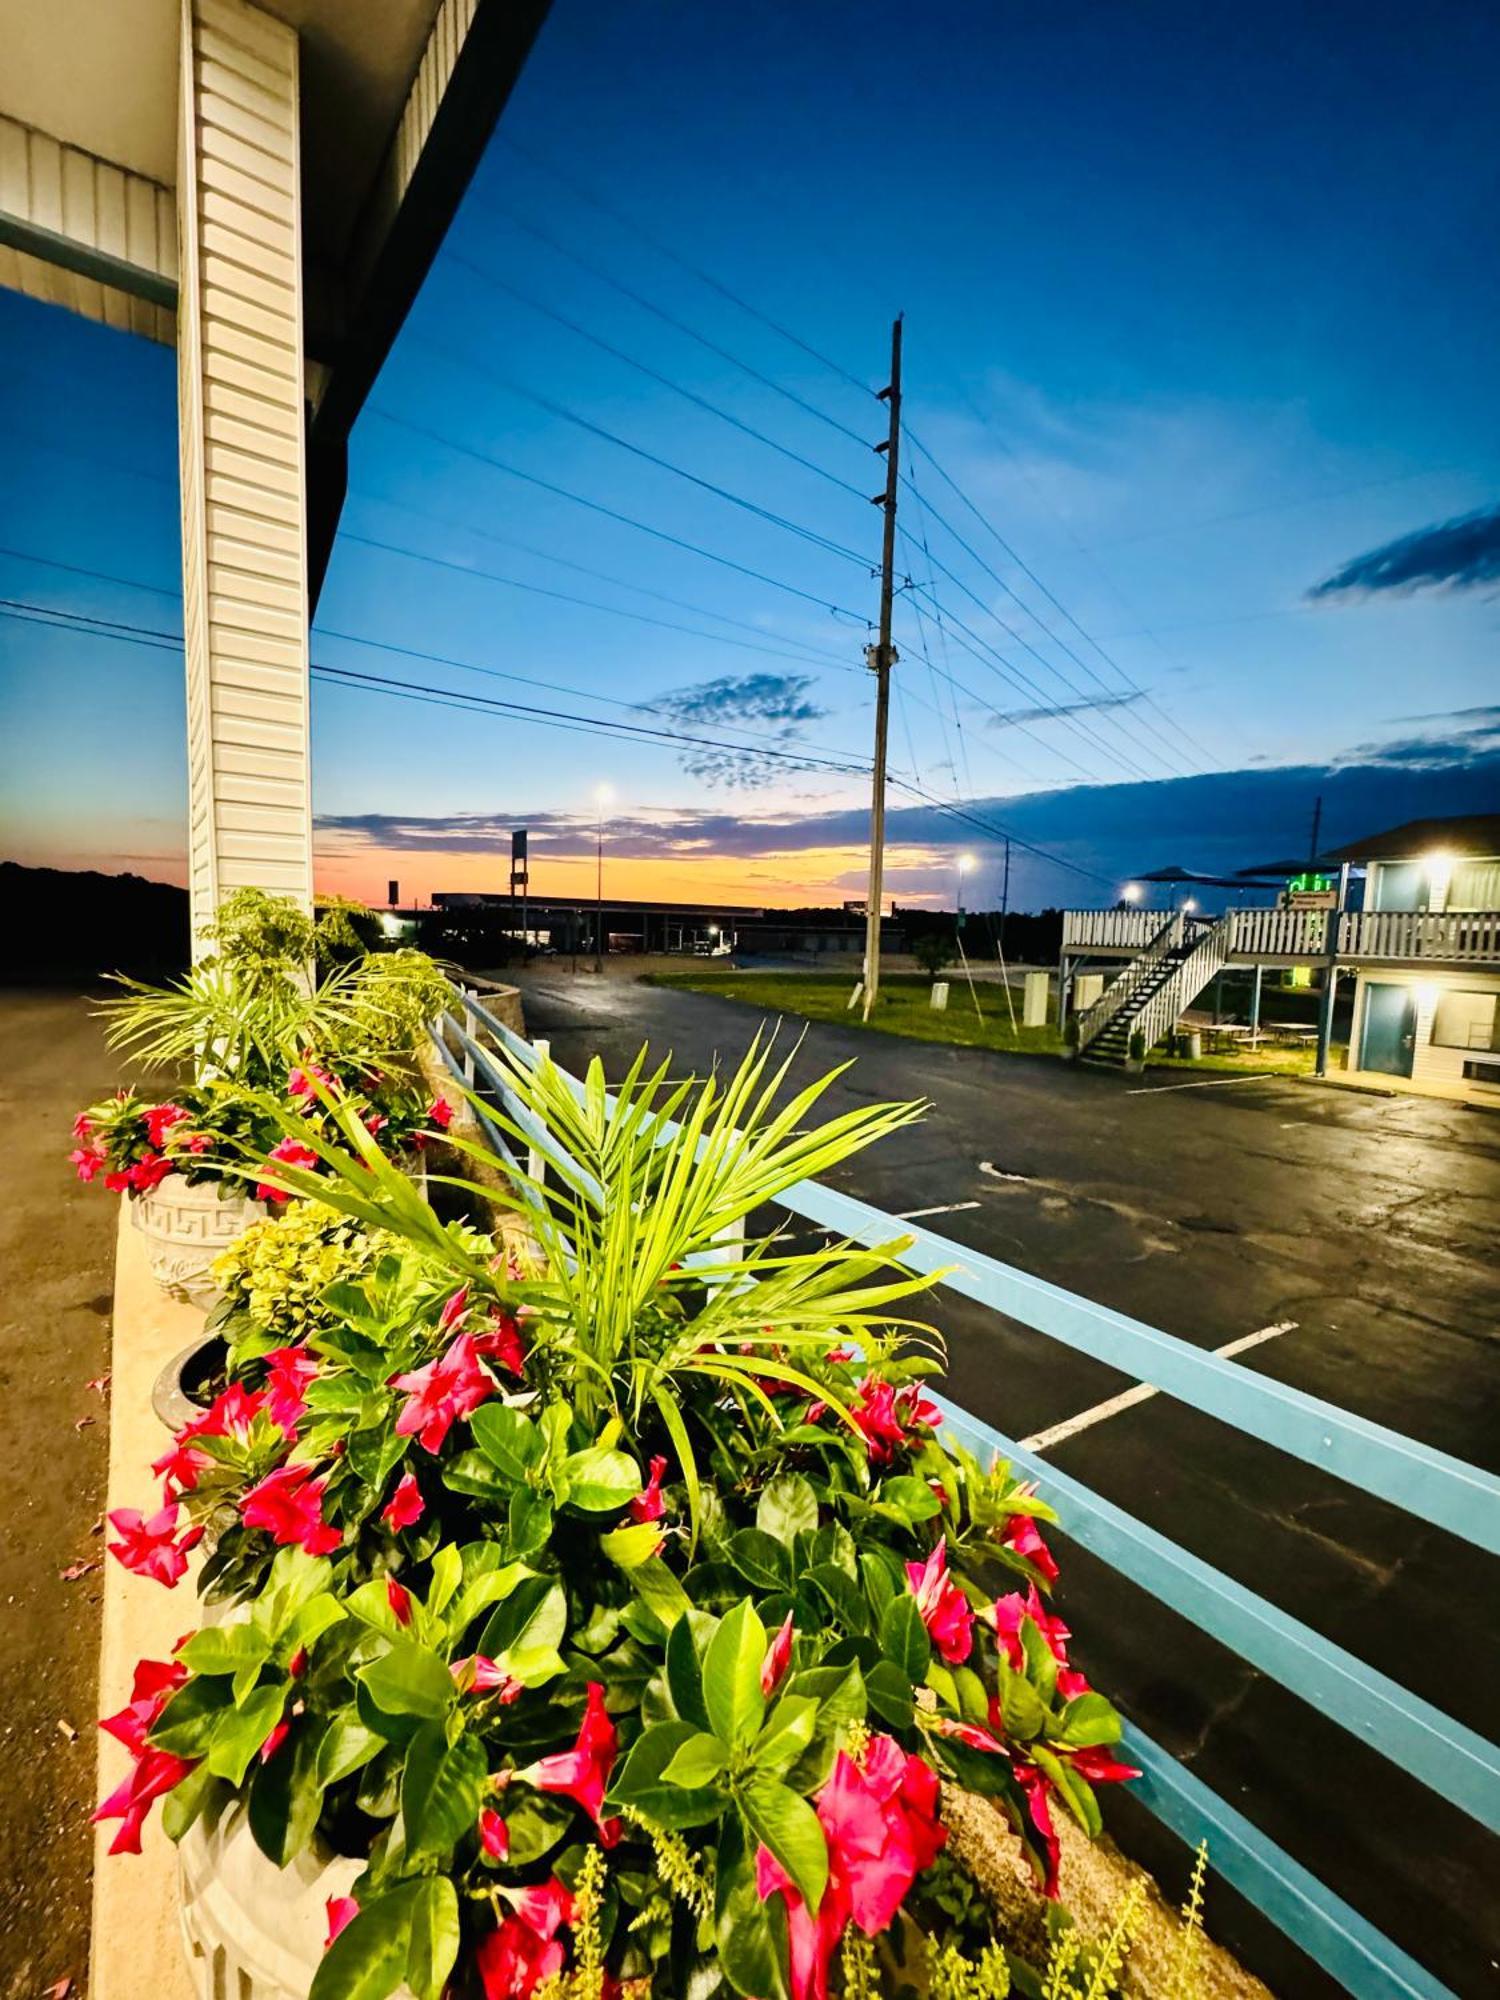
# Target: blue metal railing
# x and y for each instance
(1444, 1754)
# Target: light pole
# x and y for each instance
(965, 864)
(1131, 893)
(602, 796)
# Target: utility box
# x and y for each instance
(1086, 990)
(939, 1000)
(1034, 1006)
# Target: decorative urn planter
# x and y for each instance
(253, 1931)
(184, 1225)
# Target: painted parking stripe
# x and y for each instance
(900, 1215)
(1212, 1082)
(1142, 1393)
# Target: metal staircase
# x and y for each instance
(1154, 989)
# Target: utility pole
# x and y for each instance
(1005, 888)
(1317, 823)
(884, 657)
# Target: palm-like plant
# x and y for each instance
(646, 1289)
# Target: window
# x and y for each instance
(1475, 885)
(1467, 1021)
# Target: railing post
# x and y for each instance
(471, 1029)
(1331, 976)
(536, 1162)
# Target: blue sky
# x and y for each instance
(1201, 307)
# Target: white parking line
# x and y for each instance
(1209, 1082)
(1142, 1393)
(947, 1208)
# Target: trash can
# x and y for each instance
(1190, 1044)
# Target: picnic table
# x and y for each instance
(1293, 1033)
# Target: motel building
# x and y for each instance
(1411, 916)
(262, 184)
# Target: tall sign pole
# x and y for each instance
(881, 658)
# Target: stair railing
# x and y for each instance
(1187, 981)
(1119, 991)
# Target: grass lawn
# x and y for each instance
(902, 1009)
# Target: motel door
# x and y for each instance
(1390, 1031)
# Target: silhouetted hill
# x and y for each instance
(60, 923)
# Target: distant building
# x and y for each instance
(568, 923)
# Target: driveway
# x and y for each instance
(1353, 1237)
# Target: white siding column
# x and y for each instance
(241, 431)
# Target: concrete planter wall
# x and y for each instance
(183, 1227)
(253, 1931)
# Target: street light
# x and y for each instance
(965, 863)
(1131, 893)
(602, 796)
(1189, 904)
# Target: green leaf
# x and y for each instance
(308, 1624)
(225, 1649)
(903, 1638)
(749, 1930)
(441, 1789)
(910, 1499)
(186, 1800)
(632, 1546)
(286, 1795)
(242, 1731)
(408, 1680)
(472, 1474)
(843, 1594)
(731, 1675)
(601, 1481)
(788, 1731)
(346, 1747)
(447, 1572)
(1021, 1707)
(531, 1622)
(529, 1520)
(368, 1959)
(535, 1824)
(660, 1591)
(1089, 1719)
(890, 1694)
(508, 1438)
(880, 1586)
(371, 1605)
(789, 1827)
(685, 1675)
(699, 1762)
(434, 1936)
(186, 1725)
(761, 1559)
(787, 1506)
(294, 1577)
(639, 1782)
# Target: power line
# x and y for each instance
(598, 201)
(653, 374)
(613, 513)
(561, 411)
(119, 630)
(680, 325)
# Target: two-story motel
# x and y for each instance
(1412, 916)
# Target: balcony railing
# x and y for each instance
(1452, 937)
(1440, 1490)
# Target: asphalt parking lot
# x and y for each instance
(1354, 1237)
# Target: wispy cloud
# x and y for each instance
(1015, 718)
(1465, 738)
(1455, 555)
(731, 702)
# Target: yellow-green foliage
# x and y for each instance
(951, 1976)
(279, 1269)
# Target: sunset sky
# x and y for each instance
(1201, 310)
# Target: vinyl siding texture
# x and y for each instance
(1437, 1067)
(240, 397)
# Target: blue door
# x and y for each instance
(1390, 1030)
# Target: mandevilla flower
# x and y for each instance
(499, 1340)
(340, 1912)
(405, 1506)
(476, 1673)
(1006, 1614)
(160, 1119)
(648, 1504)
(494, 1835)
(287, 1503)
(945, 1610)
(887, 1415)
(154, 1773)
(439, 1395)
(778, 1658)
(287, 1153)
(1022, 1535)
(88, 1161)
(150, 1172)
(440, 1113)
(151, 1547)
(308, 1080)
(154, 1682)
(398, 1597)
(582, 1773)
(288, 1372)
(524, 1951)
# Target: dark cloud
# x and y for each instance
(1456, 555)
(1471, 736)
(1015, 717)
(778, 700)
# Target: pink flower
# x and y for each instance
(524, 1951)
(287, 1503)
(1037, 1787)
(288, 1372)
(88, 1161)
(150, 1548)
(153, 1773)
(340, 1910)
(160, 1119)
(582, 1773)
(881, 1826)
(398, 1597)
(476, 1673)
(454, 1309)
(287, 1153)
(1021, 1535)
(887, 1416)
(1096, 1764)
(405, 1506)
(150, 1172)
(500, 1341)
(1006, 1614)
(778, 1658)
(945, 1610)
(83, 1126)
(280, 1730)
(648, 1504)
(494, 1835)
(446, 1390)
(154, 1683)
(440, 1113)
(375, 1123)
(308, 1080)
